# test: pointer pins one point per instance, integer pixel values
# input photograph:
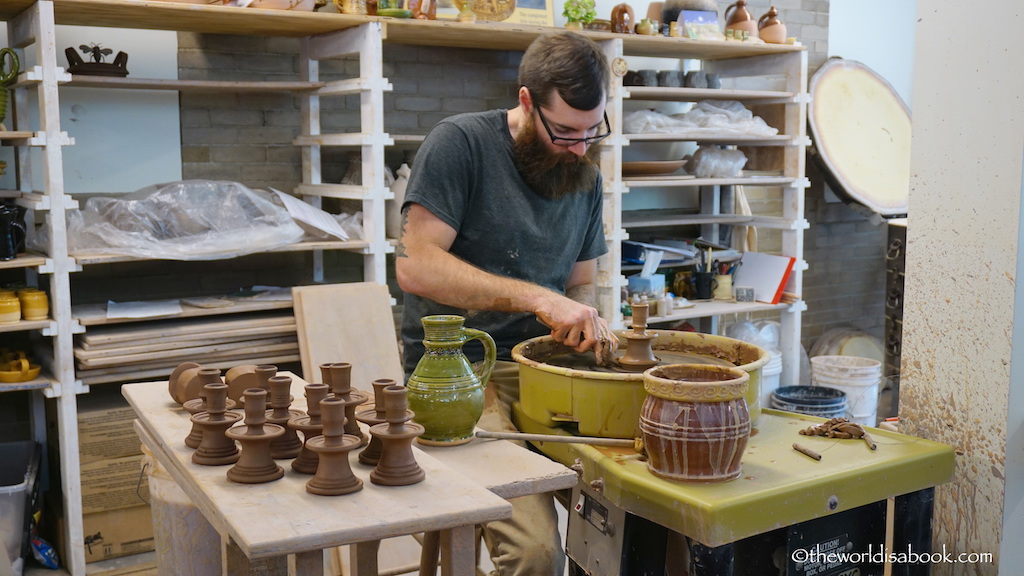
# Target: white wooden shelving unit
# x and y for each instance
(753, 74)
(31, 25)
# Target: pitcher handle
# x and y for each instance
(725, 15)
(8, 56)
(483, 372)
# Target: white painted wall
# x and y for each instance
(124, 139)
(877, 33)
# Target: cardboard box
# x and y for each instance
(116, 533)
(105, 428)
(113, 484)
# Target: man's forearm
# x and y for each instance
(584, 294)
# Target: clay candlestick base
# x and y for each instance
(215, 448)
(196, 405)
(255, 465)
(639, 356)
(371, 417)
(287, 445)
(341, 386)
(397, 465)
(310, 425)
(334, 475)
(173, 379)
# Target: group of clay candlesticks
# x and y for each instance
(330, 427)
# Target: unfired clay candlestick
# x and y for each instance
(397, 465)
(341, 386)
(334, 475)
(215, 448)
(288, 444)
(639, 356)
(255, 465)
(373, 416)
(310, 425)
(196, 405)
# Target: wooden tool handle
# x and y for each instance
(619, 442)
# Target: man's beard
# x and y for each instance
(549, 174)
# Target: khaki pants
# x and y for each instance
(528, 544)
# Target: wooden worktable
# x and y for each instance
(273, 520)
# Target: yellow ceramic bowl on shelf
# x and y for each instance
(19, 371)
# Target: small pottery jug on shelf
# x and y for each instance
(445, 392)
(738, 18)
(770, 28)
(622, 19)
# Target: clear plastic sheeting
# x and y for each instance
(708, 117)
(186, 220)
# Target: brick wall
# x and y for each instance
(246, 137)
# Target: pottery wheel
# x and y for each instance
(586, 361)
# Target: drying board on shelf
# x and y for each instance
(350, 322)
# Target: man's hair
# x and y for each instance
(568, 63)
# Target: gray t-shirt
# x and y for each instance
(464, 173)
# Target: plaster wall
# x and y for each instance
(963, 255)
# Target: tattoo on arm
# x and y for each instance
(584, 294)
(400, 247)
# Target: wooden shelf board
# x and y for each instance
(656, 217)
(29, 260)
(35, 384)
(666, 94)
(25, 325)
(712, 139)
(352, 246)
(96, 314)
(16, 135)
(683, 180)
(703, 309)
(220, 19)
(191, 85)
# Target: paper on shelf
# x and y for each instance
(652, 259)
(142, 309)
(311, 215)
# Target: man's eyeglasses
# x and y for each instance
(567, 142)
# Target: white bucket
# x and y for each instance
(842, 366)
(186, 543)
(770, 375)
(861, 394)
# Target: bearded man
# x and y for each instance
(502, 225)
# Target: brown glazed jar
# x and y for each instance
(694, 421)
(622, 18)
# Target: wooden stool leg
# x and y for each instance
(364, 558)
(309, 563)
(457, 551)
(429, 553)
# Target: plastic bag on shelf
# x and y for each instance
(186, 220)
(711, 162)
(763, 333)
(710, 117)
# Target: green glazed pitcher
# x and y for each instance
(9, 68)
(445, 392)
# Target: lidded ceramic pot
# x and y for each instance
(694, 421)
(10, 309)
(770, 28)
(738, 18)
(35, 305)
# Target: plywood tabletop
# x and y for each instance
(280, 517)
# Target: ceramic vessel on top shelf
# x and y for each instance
(738, 18)
(770, 28)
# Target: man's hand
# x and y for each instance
(578, 326)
